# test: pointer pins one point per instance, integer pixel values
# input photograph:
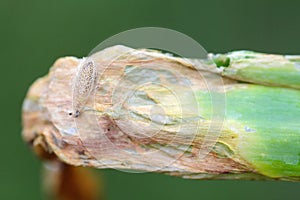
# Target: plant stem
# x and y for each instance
(190, 118)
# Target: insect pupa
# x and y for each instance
(83, 86)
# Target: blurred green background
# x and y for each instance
(34, 33)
